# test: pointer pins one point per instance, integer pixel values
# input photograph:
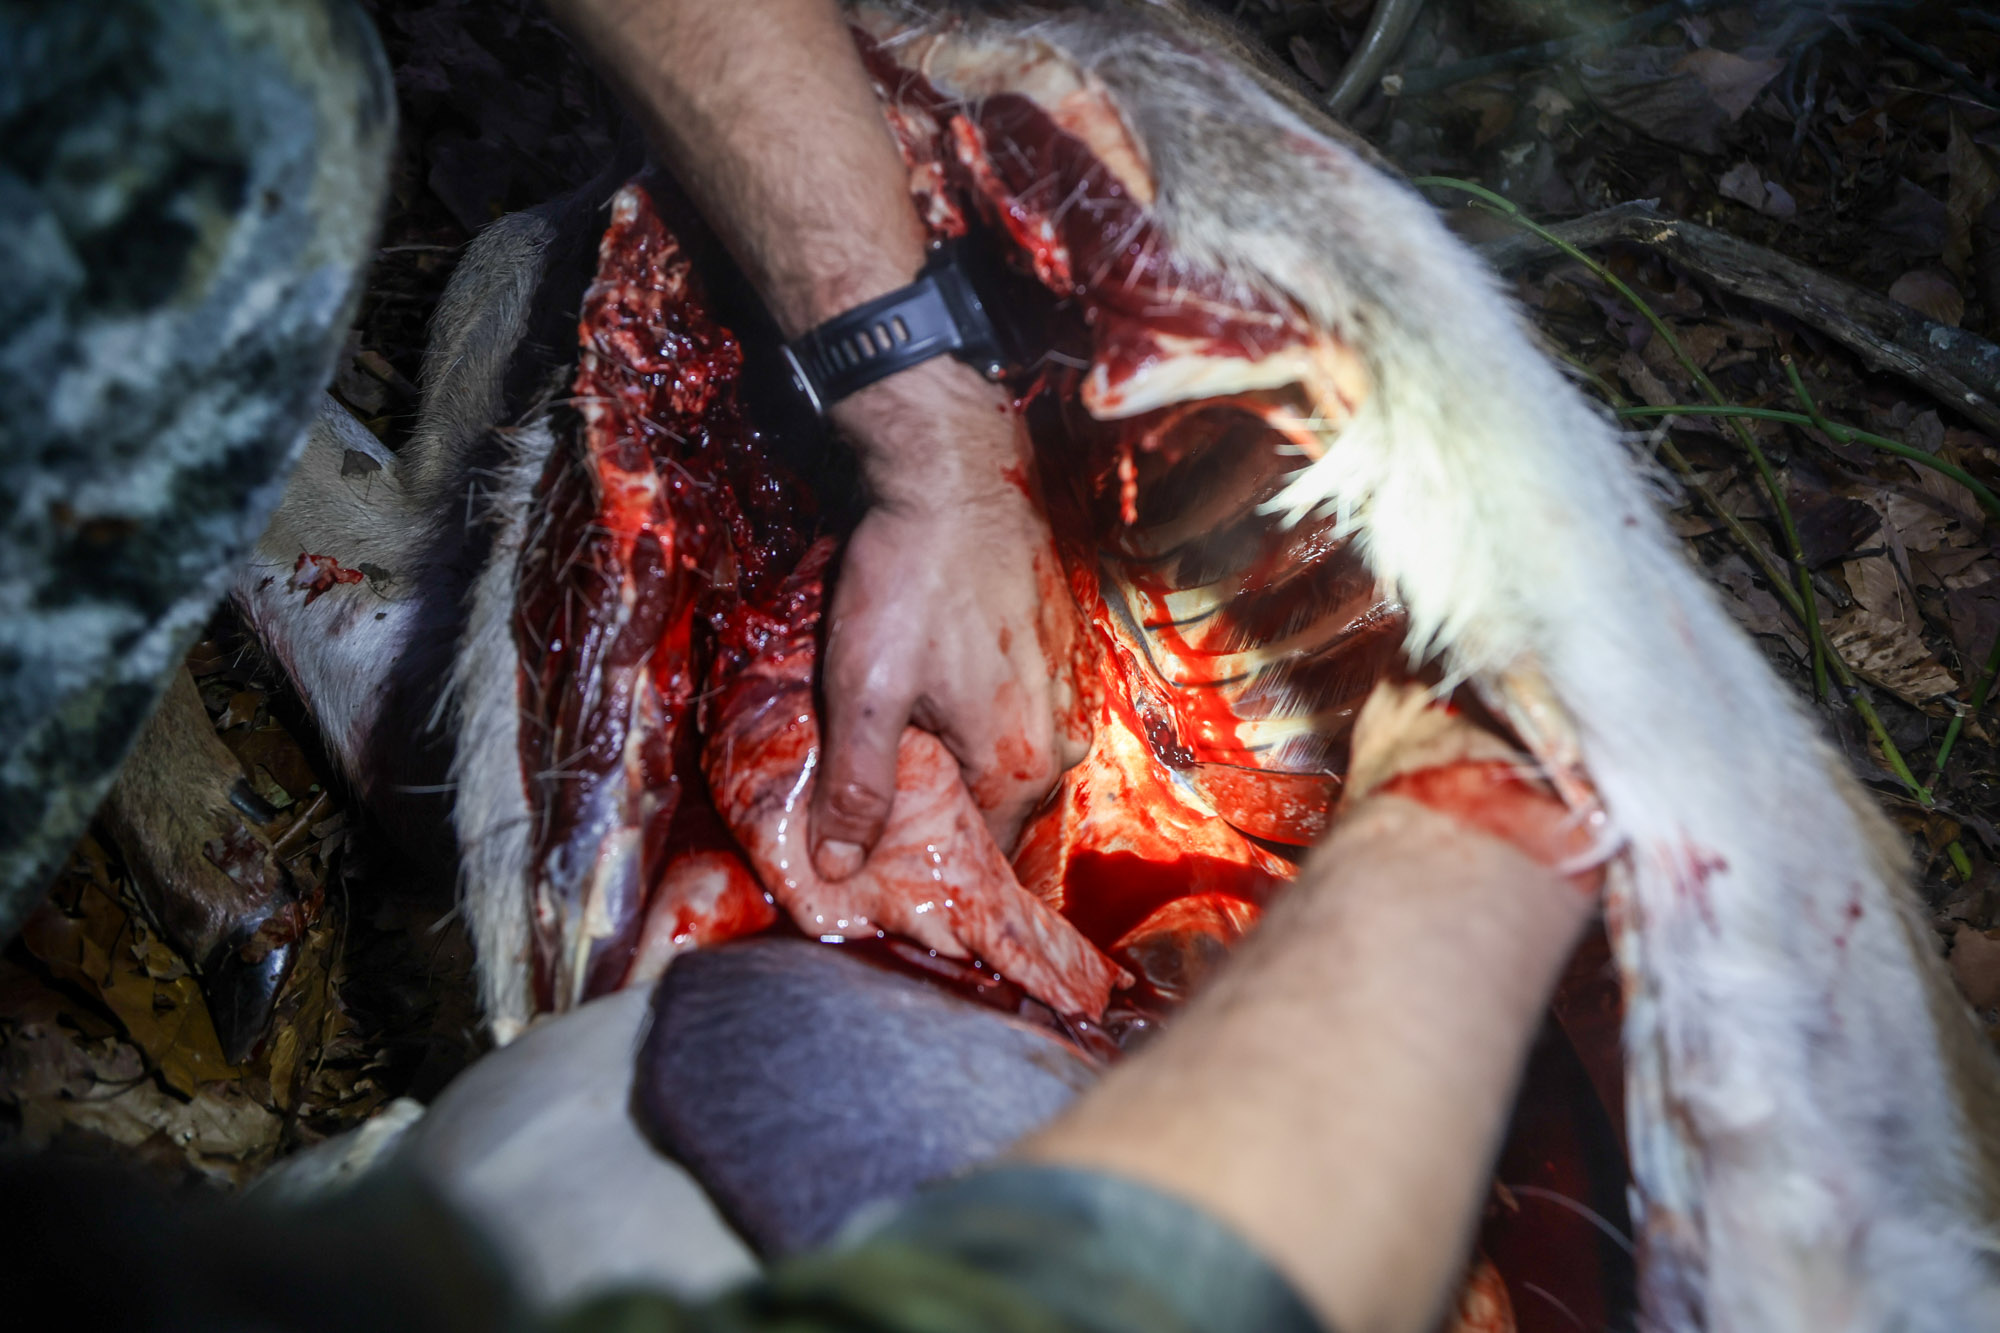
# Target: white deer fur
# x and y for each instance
(1802, 1086)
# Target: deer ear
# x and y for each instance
(799, 1083)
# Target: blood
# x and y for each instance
(1693, 866)
(1074, 221)
(935, 875)
(705, 898)
(1495, 797)
(1483, 1304)
(1557, 1226)
(659, 511)
(1175, 947)
(672, 586)
(326, 573)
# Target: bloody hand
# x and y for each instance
(936, 876)
(949, 613)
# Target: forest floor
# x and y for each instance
(1860, 141)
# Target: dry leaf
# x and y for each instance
(1975, 966)
(1960, 567)
(1975, 184)
(242, 710)
(1831, 527)
(1747, 186)
(1973, 618)
(1549, 106)
(1909, 522)
(1307, 59)
(1953, 495)
(274, 759)
(84, 936)
(1883, 651)
(1931, 293)
(1914, 217)
(1642, 381)
(1732, 81)
(1881, 635)
(1754, 607)
(1672, 104)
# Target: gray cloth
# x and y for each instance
(189, 193)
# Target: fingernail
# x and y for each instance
(839, 860)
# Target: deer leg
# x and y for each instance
(194, 836)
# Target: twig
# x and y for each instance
(1961, 369)
(1667, 449)
(1840, 435)
(1924, 793)
(1980, 690)
(1929, 55)
(1691, 479)
(1388, 28)
(1989, 502)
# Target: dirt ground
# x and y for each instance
(1859, 141)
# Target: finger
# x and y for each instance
(990, 915)
(867, 708)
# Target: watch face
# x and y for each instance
(1019, 311)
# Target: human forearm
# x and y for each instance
(774, 138)
(939, 615)
(1418, 955)
(766, 114)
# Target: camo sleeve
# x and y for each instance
(1015, 1249)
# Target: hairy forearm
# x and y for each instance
(765, 113)
(1340, 1093)
(768, 118)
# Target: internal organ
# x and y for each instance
(1230, 652)
(936, 877)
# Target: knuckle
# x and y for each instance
(856, 802)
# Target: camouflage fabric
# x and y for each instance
(189, 192)
(1009, 1250)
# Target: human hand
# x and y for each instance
(936, 877)
(950, 613)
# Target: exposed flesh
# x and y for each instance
(1223, 646)
(1230, 651)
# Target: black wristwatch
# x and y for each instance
(940, 314)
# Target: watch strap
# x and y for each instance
(937, 315)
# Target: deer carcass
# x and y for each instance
(1292, 441)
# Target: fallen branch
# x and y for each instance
(1961, 369)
